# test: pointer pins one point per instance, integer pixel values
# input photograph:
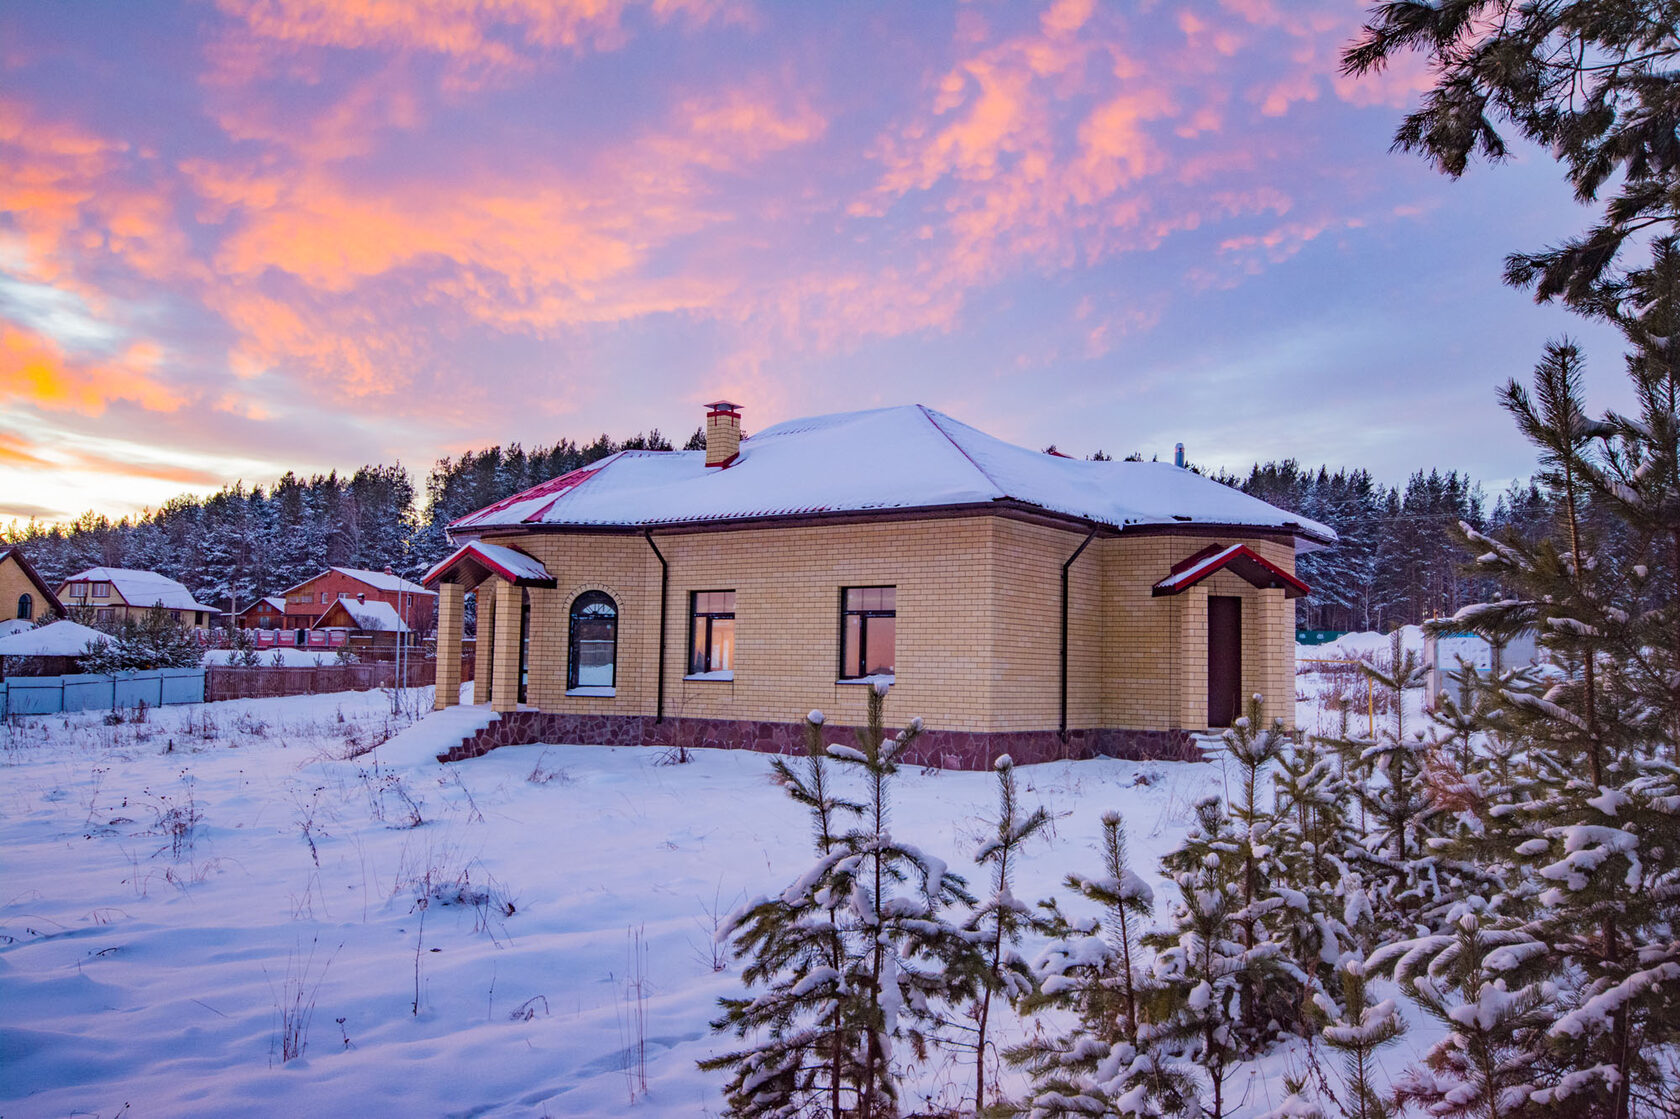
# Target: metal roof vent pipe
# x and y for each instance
(723, 433)
(1178, 456)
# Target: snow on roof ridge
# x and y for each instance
(378, 579)
(930, 415)
(558, 486)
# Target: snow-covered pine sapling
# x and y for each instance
(1193, 1003)
(1313, 870)
(1091, 971)
(1400, 800)
(999, 922)
(1358, 1029)
(1493, 1058)
(1252, 750)
(803, 1057)
(917, 962)
(849, 965)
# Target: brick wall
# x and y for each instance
(978, 636)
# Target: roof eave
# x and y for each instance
(1010, 507)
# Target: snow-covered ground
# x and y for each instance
(180, 897)
(289, 657)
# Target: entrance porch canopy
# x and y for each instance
(1242, 561)
(476, 561)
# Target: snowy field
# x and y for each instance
(185, 900)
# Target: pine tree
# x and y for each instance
(1093, 970)
(1193, 1006)
(1326, 911)
(1358, 1029)
(1253, 749)
(851, 965)
(1589, 823)
(1591, 82)
(798, 952)
(1492, 1060)
(1000, 921)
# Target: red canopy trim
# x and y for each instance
(480, 560)
(1243, 561)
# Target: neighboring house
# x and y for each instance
(367, 622)
(265, 613)
(24, 596)
(113, 593)
(1016, 601)
(306, 603)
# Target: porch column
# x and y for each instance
(448, 646)
(504, 693)
(484, 646)
(1276, 656)
(1192, 656)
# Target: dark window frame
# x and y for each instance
(694, 615)
(847, 671)
(26, 606)
(573, 614)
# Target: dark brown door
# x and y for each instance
(1224, 660)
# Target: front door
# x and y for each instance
(1224, 660)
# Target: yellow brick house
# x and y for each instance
(25, 598)
(1016, 601)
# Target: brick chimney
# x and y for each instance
(723, 432)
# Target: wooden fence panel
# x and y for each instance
(265, 681)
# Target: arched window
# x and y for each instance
(593, 647)
(26, 607)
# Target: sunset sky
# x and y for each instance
(248, 236)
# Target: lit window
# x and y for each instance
(868, 621)
(711, 632)
(593, 645)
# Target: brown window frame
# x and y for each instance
(694, 615)
(846, 671)
(574, 641)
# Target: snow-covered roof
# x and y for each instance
(141, 589)
(906, 457)
(510, 563)
(384, 581)
(272, 602)
(373, 615)
(59, 639)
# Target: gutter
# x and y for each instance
(1062, 728)
(664, 582)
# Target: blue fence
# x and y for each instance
(48, 695)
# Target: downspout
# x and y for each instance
(1062, 730)
(664, 582)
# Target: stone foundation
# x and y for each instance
(947, 749)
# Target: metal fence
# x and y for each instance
(48, 695)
